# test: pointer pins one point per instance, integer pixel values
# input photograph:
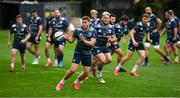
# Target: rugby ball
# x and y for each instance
(59, 35)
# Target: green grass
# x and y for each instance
(155, 80)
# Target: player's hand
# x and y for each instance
(149, 40)
(36, 38)
(135, 44)
(66, 35)
(9, 44)
(49, 39)
(174, 40)
(23, 41)
(82, 37)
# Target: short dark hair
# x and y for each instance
(19, 16)
(86, 18)
(33, 11)
(112, 15)
(124, 17)
(170, 12)
(145, 15)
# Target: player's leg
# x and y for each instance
(13, 58)
(23, 58)
(86, 62)
(101, 61)
(119, 52)
(167, 48)
(37, 54)
(47, 46)
(67, 75)
(162, 53)
(146, 60)
(174, 48)
(76, 60)
(56, 56)
(138, 62)
(123, 60)
(29, 48)
(60, 55)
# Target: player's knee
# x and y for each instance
(102, 60)
(142, 56)
(109, 60)
(128, 57)
(86, 73)
(72, 70)
(46, 48)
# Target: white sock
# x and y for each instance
(12, 65)
(56, 60)
(63, 81)
(135, 68)
(176, 58)
(76, 81)
(119, 66)
(48, 59)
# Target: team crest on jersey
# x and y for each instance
(109, 31)
(22, 29)
(15, 29)
(141, 28)
(99, 30)
(60, 22)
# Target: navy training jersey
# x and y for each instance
(35, 22)
(48, 24)
(59, 24)
(103, 32)
(177, 20)
(120, 30)
(81, 46)
(141, 30)
(20, 32)
(153, 22)
(95, 22)
(170, 25)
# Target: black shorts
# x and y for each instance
(155, 39)
(52, 40)
(62, 42)
(132, 48)
(170, 41)
(96, 50)
(84, 58)
(114, 47)
(32, 40)
(19, 46)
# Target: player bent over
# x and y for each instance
(21, 35)
(121, 29)
(85, 41)
(136, 43)
(102, 55)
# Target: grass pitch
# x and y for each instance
(39, 81)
